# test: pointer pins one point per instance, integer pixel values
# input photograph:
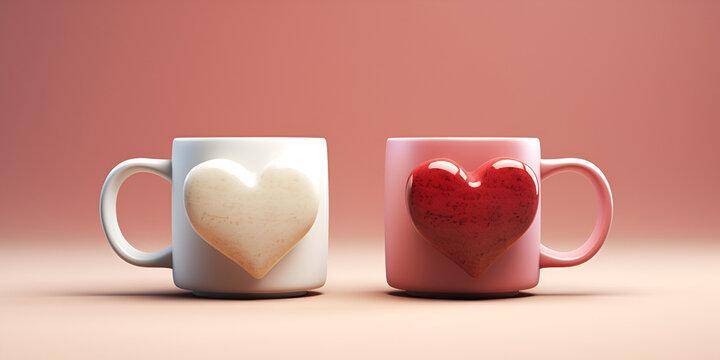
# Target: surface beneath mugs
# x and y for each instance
(57, 295)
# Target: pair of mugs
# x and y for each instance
(250, 215)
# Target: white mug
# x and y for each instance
(199, 266)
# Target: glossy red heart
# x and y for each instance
(472, 218)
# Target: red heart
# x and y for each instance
(472, 218)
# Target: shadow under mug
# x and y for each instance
(412, 264)
(198, 266)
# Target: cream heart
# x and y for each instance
(252, 219)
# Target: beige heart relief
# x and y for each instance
(252, 219)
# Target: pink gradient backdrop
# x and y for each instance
(633, 86)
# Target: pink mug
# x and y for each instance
(416, 266)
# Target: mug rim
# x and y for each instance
(209, 138)
(506, 138)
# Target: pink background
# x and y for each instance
(633, 86)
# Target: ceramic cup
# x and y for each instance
(249, 215)
(435, 244)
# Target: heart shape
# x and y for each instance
(472, 218)
(253, 220)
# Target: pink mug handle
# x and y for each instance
(553, 258)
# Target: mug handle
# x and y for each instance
(553, 258)
(108, 211)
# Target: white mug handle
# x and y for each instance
(108, 213)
